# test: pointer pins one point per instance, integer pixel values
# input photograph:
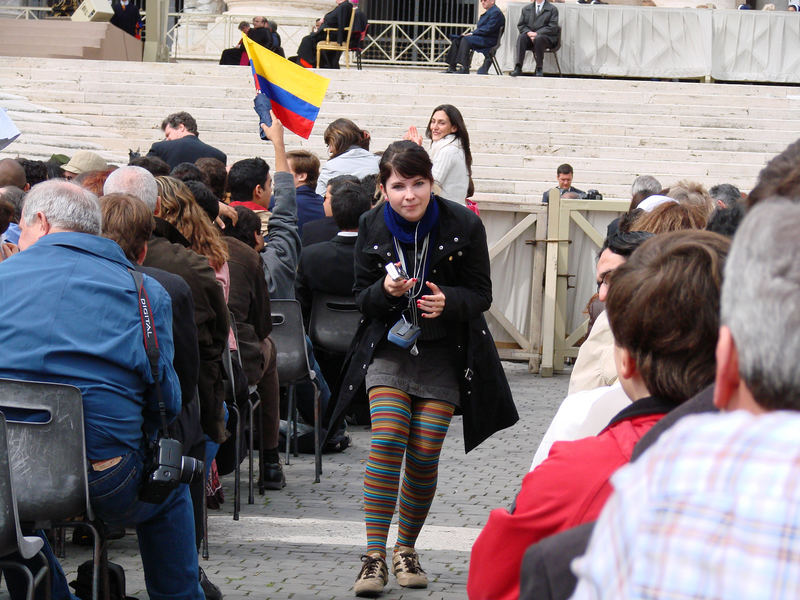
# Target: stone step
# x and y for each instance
(609, 130)
(471, 85)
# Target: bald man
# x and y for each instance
(12, 173)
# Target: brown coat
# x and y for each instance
(210, 316)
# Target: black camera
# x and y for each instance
(592, 195)
(165, 469)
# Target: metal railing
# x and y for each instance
(422, 44)
(205, 36)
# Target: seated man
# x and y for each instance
(663, 307)
(327, 267)
(538, 31)
(483, 37)
(711, 510)
(339, 19)
(564, 175)
(70, 313)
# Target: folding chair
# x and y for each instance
(48, 462)
(289, 337)
(230, 396)
(358, 45)
(554, 52)
(334, 322)
(489, 53)
(11, 538)
(327, 44)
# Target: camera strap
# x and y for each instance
(150, 342)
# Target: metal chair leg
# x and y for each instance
(295, 451)
(289, 414)
(317, 440)
(251, 406)
(261, 450)
(237, 468)
(205, 525)
(496, 65)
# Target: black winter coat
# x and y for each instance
(459, 265)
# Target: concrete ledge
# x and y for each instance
(67, 39)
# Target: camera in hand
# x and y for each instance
(396, 273)
(165, 469)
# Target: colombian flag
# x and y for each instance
(296, 93)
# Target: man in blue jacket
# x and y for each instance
(484, 36)
(70, 314)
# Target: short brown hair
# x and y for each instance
(127, 221)
(663, 307)
(671, 216)
(303, 161)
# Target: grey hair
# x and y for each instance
(65, 205)
(645, 183)
(135, 181)
(726, 193)
(761, 302)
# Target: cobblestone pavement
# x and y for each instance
(305, 541)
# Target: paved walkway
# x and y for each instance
(305, 541)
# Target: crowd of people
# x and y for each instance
(684, 320)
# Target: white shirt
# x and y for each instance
(450, 168)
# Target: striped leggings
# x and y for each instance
(402, 426)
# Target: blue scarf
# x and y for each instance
(404, 230)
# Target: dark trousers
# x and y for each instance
(459, 53)
(538, 45)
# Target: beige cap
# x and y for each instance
(83, 161)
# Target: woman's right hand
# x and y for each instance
(397, 288)
(413, 135)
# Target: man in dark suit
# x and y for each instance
(182, 143)
(538, 31)
(327, 267)
(484, 36)
(564, 174)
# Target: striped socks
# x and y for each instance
(393, 428)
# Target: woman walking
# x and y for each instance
(423, 351)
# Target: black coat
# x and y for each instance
(459, 265)
(325, 267)
(319, 230)
(544, 24)
(186, 149)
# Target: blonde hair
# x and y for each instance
(179, 208)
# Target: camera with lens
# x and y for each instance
(592, 195)
(165, 469)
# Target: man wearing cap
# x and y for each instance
(181, 143)
(83, 161)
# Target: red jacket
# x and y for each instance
(569, 488)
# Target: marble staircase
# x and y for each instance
(521, 129)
